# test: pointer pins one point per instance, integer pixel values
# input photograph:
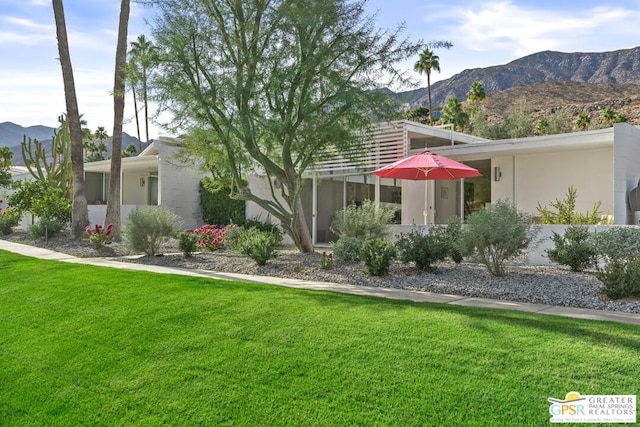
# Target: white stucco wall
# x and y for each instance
(178, 187)
(546, 177)
(132, 192)
(627, 169)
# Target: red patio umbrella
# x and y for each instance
(426, 166)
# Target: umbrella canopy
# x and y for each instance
(424, 166)
(427, 165)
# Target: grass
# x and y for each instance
(83, 345)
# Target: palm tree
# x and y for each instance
(145, 55)
(620, 118)
(608, 115)
(133, 77)
(476, 93)
(542, 126)
(113, 203)
(129, 151)
(453, 113)
(80, 210)
(583, 121)
(428, 61)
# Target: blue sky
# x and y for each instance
(484, 33)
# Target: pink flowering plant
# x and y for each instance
(326, 261)
(9, 217)
(212, 237)
(99, 235)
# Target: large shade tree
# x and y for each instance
(275, 83)
(80, 211)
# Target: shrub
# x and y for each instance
(452, 236)
(147, 228)
(377, 255)
(619, 249)
(188, 243)
(574, 249)
(99, 236)
(259, 245)
(347, 249)
(326, 261)
(266, 226)
(423, 249)
(46, 228)
(217, 206)
(496, 234)
(621, 279)
(9, 218)
(565, 211)
(367, 221)
(211, 237)
(43, 200)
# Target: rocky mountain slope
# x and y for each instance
(616, 67)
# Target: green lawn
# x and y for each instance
(93, 346)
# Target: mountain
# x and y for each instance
(616, 67)
(11, 135)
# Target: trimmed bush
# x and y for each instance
(574, 249)
(258, 245)
(377, 255)
(495, 235)
(148, 228)
(452, 235)
(217, 206)
(367, 221)
(347, 249)
(423, 249)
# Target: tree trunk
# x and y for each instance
(113, 203)
(146, 105)
(135, 107)
(429, 90)
(80, 213)
(304, 241)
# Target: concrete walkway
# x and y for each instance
(401, 294)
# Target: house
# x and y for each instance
(602, 165)
(154, 177)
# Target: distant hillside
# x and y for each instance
(11, 135)
(617, 67)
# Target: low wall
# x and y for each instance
(536, 254)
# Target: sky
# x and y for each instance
(484, 33)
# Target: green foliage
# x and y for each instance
(258, 245)
(377, 255)
(347, 249)
(43, 200)
(452, 235)
(496, 234)
(147, 228)
(574, 248)
(46, 228)
(565, 211)
(6, 156)
(187, 243)
(519, 123)
(9, 218)
(476, 93)
(453, 113)
(217, 206)
(282, 103)
(619, 249)
(620, 118)
(542, 126)
(559, 122)
(423, 249)
(582, 121)
(99, 236)
(621, 279)
(366, 221)
(326, 261)
(419, 114)
(212, 237)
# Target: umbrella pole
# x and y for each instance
(425, 212)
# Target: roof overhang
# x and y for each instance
(129, 164)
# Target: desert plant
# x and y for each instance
(347, 249)
(99, 235)
(423, 249)
(147, 228)
(619, 250)
(565, 212)
(258, 245)
(496, 234)
(326, 261)
(452, 235)
(9, 218)
(46, 228)
(211, 237)
(267, 226)
(366, 221)
(188, 243)
(377, 255)
(574, 248)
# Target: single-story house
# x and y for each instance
(602, 165)
(154, 177)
